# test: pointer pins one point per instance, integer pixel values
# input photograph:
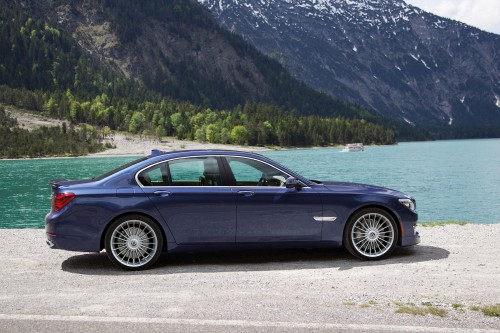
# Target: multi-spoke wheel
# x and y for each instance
(134, 242)
(371, 234)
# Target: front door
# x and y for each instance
(268, 211)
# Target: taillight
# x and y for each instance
(60, 200)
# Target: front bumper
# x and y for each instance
(412, 239)
(410, 235)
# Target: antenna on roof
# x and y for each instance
(155, 152)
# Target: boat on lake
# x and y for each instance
(353, 147)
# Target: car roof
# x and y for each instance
(156, 152)
(183, 153)
(159, 156)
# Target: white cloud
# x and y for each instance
(483, 14)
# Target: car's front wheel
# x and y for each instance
(371, 234)
(134, 242)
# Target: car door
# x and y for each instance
(266, 210)
(189, 194)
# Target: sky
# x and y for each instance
(482, 14)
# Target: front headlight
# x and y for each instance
(410, 203)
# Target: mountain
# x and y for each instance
(174, 48)
(389, 56)
(159, 68)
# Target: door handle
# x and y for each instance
(246, 193)
(162, 193)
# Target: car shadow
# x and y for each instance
(256, 260)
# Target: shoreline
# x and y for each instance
(136, 145)
(133, 145)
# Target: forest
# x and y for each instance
(252, 124)
(46, 141)
(43, 70)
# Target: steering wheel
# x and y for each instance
(262, 181)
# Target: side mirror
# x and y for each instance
(292, 182)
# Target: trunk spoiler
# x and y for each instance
(55, 183)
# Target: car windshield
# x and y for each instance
(109, 173)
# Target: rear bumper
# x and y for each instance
(70, 243)
(68, 234)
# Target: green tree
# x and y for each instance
(225, 135)
(106, 131)
(137, 122)
(239, 134)
(212, 133)
(160, 132)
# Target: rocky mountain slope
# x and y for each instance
(390, 56)
(177, 49)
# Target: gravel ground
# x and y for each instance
(292, 290)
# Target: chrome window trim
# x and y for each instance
(165, 161)
(223, 186)
(272, 166)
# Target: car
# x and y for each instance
(205, 199)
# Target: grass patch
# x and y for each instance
(475, 308)
(491, 310)
(442, 224)
(414, 310)
(457, 306)
(420, 310)
(436, 311)
(369, 304)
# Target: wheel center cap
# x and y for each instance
(133, 243)
(372, 235)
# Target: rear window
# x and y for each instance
(109, 173)
(195, 171)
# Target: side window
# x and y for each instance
(249, 172)
(195, 171)
(154, 176)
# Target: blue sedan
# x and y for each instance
(188, 200)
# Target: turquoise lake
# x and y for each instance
(451, 180)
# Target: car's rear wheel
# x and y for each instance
(371, 234)
(134, 242)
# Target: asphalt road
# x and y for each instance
(453, 269)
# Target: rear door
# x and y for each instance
(189, 194)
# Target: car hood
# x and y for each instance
(345, 187)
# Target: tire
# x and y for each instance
(134, 242)
(371, 234)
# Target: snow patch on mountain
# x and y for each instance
(407, 63)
